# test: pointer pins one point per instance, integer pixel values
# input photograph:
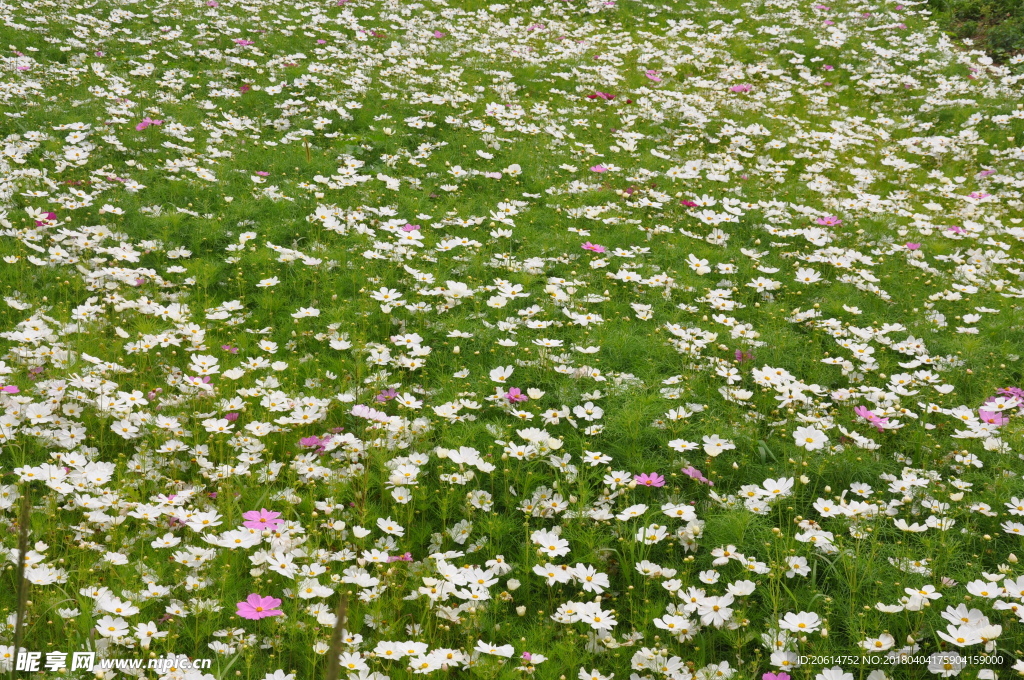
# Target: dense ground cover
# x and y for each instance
(996, 26)
(568, 339)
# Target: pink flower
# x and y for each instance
(601, 95)
(697, 474)
(653, 75)
(913, 246)
(386, 395)
(515, 395)
(743, 357)
(256, 607)
(321, 42)
(775, 676)
(688, 204)
(978, 195)
(231, 417)
(829, 221)
(262, 519)
(527, 657)
(438, 34)
(407, 557)
(956, 230)
(262, 173)
(869, 416)
(244, 42)
(993, 417)
(212, 3)
(649, 479)
(827, 68)
(593, 247)
(9, 389)
(411, 227)
(146, 122)
(599, 168)
(829, 22)
(741, 88)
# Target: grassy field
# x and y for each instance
(569, 339)
(996, 26)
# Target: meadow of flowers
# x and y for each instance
(573, 339)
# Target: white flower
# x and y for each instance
(803, 622)
(810, 438)
(501, 373)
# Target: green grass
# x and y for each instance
(857, 111)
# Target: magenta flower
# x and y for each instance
(262, 519)
(231, 417)
(829, 221)
(146, 122)
(869, 416)
(407, 557)
(1011, 392)
(993, 417)
(649, 479)
(593, 247)
(10, 389)
(688, 204)
(743, 357)
(601, 95)
(775, 676)
(256, 607)
(827, 68)
(244, 42)
(913, 246)
(515, 395)
(386, 395)
(697, 474)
